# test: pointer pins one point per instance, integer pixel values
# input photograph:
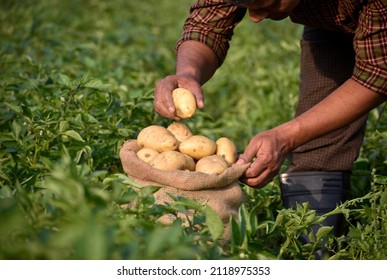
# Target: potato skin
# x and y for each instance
(147, 154)
(211, 165)
(157, 138)
(185, 102)
(180, 131)
(169, 160)
(227, 149)
(198, 146)
(190, 163)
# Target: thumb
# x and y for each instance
(248, 155)
(199, 96)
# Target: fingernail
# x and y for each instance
(240, 161)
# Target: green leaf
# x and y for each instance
(243, 219)
(323, 231)
(16, 129)
(236, 237)
(63, 126)
(187, 203)
(5, 192)
(383, 134)
(149, 190)
(213, 222)
(65, 80)
(73, 134)
(312, 237)
(280, 218)
(95, 84)
(380, 180)
(310, 217)
(14, 107)
(253, 221)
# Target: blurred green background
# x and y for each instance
(77, 79)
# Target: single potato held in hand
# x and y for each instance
(185, 103)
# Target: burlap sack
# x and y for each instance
(222, 192)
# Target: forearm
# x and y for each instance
(196, 60)
(345, 105)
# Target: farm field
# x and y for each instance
(77, 80)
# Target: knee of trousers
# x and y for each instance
(322, 190)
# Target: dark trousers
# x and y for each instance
(327, 61)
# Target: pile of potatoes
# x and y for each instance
(176, 148)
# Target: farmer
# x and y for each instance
(343, 76)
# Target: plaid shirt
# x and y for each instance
(212, 23)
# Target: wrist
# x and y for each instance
(196, 60)
(292, 134)
(188, 76)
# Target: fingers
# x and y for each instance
(257, 175)
(260, 181)
(163, 102)
(249, 153)
(199, 97)
(267, 154)
(260, 173)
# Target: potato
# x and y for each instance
(157, 138)
(227, 149)
(169, 160)
(212, 165)
(190, 163)
(185, 103)
(146, 154)
(180, 131)
(198, 146)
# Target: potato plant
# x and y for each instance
(77, 79)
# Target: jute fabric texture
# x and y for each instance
(221, 192)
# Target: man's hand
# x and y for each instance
(195, 64)
(163, 102)
(267, 151)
